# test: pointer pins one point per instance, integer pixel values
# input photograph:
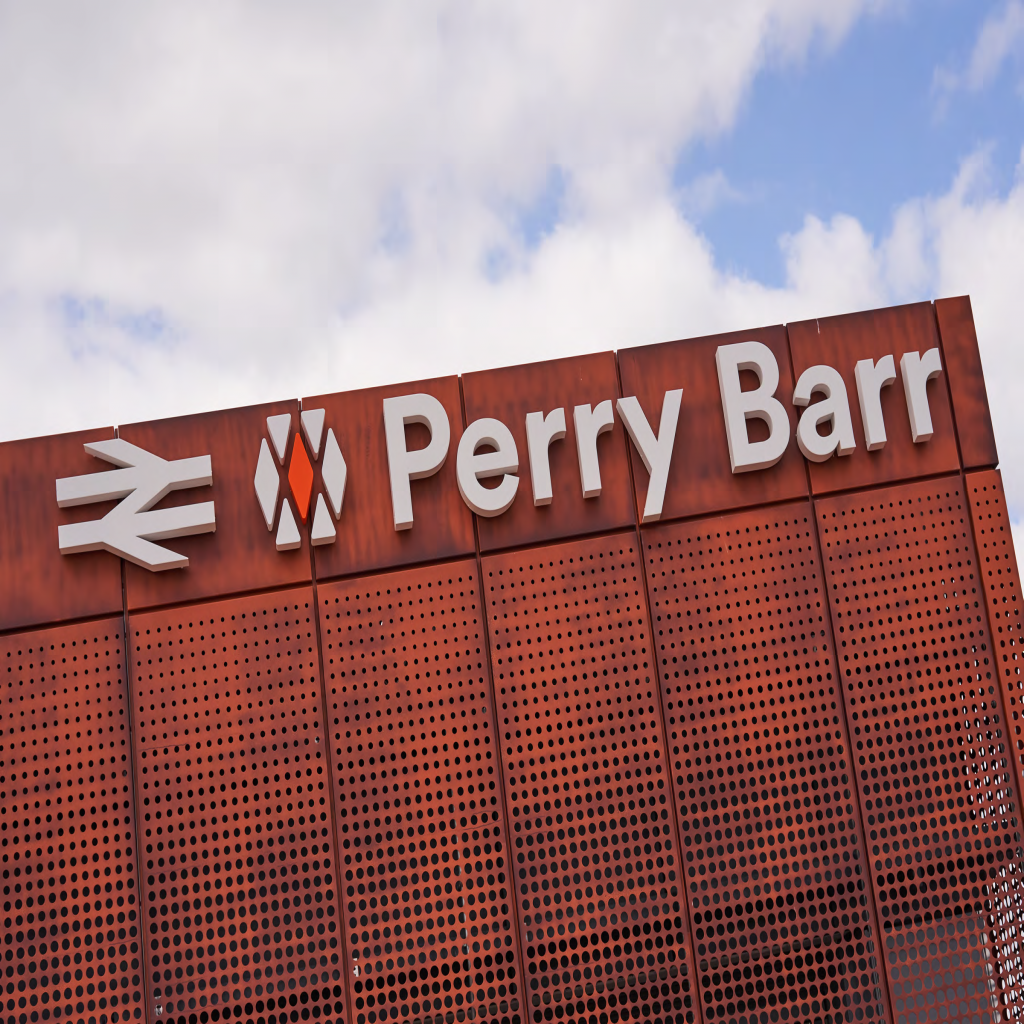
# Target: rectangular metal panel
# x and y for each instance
(421, 830)
(966, 382)
(509, 394)
(700, 479)
(777, 877)
(70, 943)
(1000, 580)
(37, 583)
(242, 554)
(840, 341)
(587, 783)
(367, 539)
(937, 791)
(237, 852)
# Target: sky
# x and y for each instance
(207, 205)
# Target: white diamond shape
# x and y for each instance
(279, 427)
(334, 473)
(323, 529)
(313, 428)
(267, 483)
(288, 538)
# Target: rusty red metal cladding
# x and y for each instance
(427, 896)
(1000, 578)
(759, 762)
(39, 585)
(509, 394)
(587, 784)
(776, 874)
(367, 539)
(241, 555)
(841, 342)
(237, 851)
(701, 481)
(70, 937)
(966, 382)
(931, 753)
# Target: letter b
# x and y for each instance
(760, 403)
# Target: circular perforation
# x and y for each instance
(238, 857)
(69, 928)
(774, 867)
(925, 721)
(593, 831)
(420, 822)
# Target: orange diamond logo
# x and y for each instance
(300, 477)
(307, 443)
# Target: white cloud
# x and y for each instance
(216, 204)
(205, 204)
(1000, 38)
(706, 193)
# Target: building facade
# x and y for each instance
(673, 684)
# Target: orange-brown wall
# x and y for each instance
(759, 761)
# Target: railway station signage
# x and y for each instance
(679, 683)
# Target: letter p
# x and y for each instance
(404, 465)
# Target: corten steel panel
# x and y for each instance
(421, 831)
(700, 479)
(587, 786)
(237, 852)
(840, 341)
(509, 394)
(367, 538)
(37, 583)
(241, 555)
(966, 382)
(70, 945)
(936, 787)
(776, 873)
(1000, 579)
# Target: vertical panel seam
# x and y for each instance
(677, 832)
(130, 686)
(883, 965)
(499, 757)
(332, 805)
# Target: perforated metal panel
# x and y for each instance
(773, 852)
(1001, 584)
(1000, 579)
(427, 895)
(587, 784)
(937, 791)
(69, 930)
(237, 853)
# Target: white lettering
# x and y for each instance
(917, 370)
(739, 406)
(404, 465)
(656, 452)
(541, 430)
(471, 468)
(590, 425)
(871, 378)
(834, 408)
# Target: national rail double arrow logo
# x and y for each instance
(129, 529)
(333, 472)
